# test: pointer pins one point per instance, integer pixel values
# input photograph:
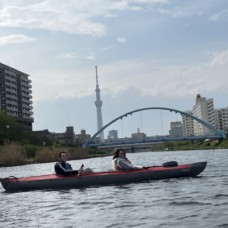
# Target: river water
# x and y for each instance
(185, 202)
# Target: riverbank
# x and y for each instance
(14, 154)
(191, 145)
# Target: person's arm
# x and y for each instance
(115, 166)
(60, 170)
(122, 164)
(127, 160)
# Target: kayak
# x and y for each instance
(53, 181)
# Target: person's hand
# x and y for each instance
(80, 170)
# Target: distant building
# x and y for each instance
(138, 135)
(69, 135)
(113, 135)
(221, 119)
(187, 125)
(61, 137)
(211, 115)
(176, 129)
(83, 137)
(204, 110)
(44, 132)
(16, 95)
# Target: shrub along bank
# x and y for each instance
(15, 154)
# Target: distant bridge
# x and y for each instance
(217, 134)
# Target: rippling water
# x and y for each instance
(185, 202)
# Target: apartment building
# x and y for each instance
(187, 124)
(221, 119)
(210, 109)
(204, 110)
(16, 95)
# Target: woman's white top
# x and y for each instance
(122, 164)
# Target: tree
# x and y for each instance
(10, 129)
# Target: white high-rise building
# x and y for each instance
(187, 125)
(210, 108)
(218, 119)
(221, 119)
(224, 112)
(204, 110)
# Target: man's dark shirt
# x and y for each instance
(64, 169)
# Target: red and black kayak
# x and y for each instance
(53, 181)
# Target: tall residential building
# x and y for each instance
(221, 119)
(176, 129)
(224, 112)
(204, 110)
(98, 104)
(16, 95)
(211, 114)
(218, 119)
(187, 125)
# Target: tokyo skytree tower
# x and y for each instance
(98, 104)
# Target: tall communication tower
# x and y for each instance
(98, 104)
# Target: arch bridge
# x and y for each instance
(92, 142)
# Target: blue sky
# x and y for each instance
(148, 52)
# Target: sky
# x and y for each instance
(149, 53)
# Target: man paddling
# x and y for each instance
(63, 168)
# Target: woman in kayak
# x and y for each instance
(121, 162)
(63, 168)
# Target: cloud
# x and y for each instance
(87, 17)
(108, 48)
(219, 16)
(70, 55)
(90, 56)
(191, 9)
(176, 12)
(74, 55)
(15, 39)
(68, 17)
(121, 39)
(219, 58)
(152, 78)
(151, 1)
(73, 17)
